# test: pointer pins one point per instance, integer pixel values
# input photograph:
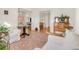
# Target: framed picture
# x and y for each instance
(6, 12)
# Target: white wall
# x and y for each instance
(11, 18)
(77, 22)
(35, 19)
(58, 12)
(47, 19)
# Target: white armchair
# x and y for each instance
(14, 35)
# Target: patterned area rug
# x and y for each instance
(35, 40)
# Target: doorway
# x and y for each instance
(24, 19)
(44, 23)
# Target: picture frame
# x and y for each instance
(6, 12)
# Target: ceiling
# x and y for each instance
(39, 9)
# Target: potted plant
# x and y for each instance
(3, 42)
(4, 28)
(2, 45)
(62, 18)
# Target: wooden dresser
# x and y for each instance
(60, 25)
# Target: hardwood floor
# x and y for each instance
(35, 40)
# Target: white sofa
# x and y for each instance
(62, 43)
(54, 42)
